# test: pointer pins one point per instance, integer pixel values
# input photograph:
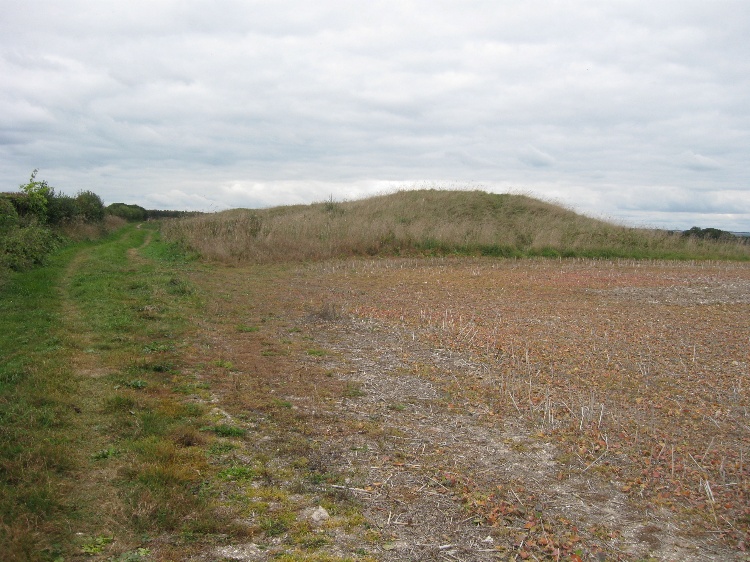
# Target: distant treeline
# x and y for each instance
(136, 213)
(714, 234)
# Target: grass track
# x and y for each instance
(109, 449)
(89, 346)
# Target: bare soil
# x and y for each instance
(484, 409)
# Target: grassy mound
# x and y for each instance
(431, 222)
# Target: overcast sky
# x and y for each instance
(635, 111)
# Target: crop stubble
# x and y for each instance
(535, 408)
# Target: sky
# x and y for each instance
(635, 111)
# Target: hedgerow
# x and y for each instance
(33, 220)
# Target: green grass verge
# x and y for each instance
(36, 408)
(94, 441)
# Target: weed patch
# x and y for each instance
(224, 430)
(238, 473)
(353, 390)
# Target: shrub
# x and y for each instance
(20, 202)
(62, 209)
(35, 220)
(21, 248)
(132, 213)
(8, 215)
(38, 194)
(90, 206)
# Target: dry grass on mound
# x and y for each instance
(427, 222)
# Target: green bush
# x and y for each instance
(20, 202)
(21, 248)
(90, 206)
(38, 194)
(131, 213)
(29, 221)
(62, 209)
(8, 215)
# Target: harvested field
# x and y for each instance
(479, 409)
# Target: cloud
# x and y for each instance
(599, 105)
(699, 163)
(177, 199)
(535, 157)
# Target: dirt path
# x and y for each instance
(444, 461)
(93, 488)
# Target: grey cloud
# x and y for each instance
(598, 105)
(532, 156)
(699, 163)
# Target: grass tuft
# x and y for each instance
(224, 430)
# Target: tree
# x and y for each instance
(38, 194)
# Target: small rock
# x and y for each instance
(240, 553)
(316, 515)
(319, 515)
(396, 545)
(489, 540)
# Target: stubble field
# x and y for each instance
(476, 409)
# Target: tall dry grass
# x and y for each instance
(428, 222)
(82, 230)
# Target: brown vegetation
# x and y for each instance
(530, 409)
(429, 222)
